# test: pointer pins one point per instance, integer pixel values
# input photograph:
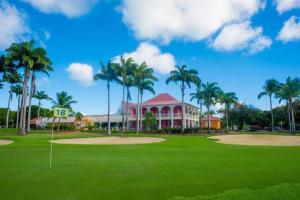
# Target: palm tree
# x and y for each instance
(211, 93)
(270, 88)
(227, 99)
(123, 72)
(198, 96)
(185, 77)
(288, 91)
(78, 116)
(141, 73)
(17, 90)
(129, 84)
(40, 96)
(108, 74)
(12, 77)
(63, 100)
(25, 56)
(146, 85)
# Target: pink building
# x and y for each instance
(168, 112)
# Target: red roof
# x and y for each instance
(212, 118)
(33, 121)
(163, 98)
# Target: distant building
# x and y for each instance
(166, 108)
(215, 122)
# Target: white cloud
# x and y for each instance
(82, 73)
(70, 8)
(241, 37)
(192, 20)
(13, 26)
(290, 30)
(161, 62)
(286, 5)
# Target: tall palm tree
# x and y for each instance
(288, 91)
(44, 66)
(40, 96)
(17, 90)
(198, 96)
(270, 88)
(123, 72)
(146, 85)
(12, 77)
(24, 55)
(108, 74)
(227, 99)
(211, 93)
(78, 116)
(63, 100)
(185, 77)
(1, 84)
(129, 84)
(141, 73)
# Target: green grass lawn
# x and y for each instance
(181, 167)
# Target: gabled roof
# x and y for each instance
(163, 98)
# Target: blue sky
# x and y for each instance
(239, 44)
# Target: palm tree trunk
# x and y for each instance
(271, 110)
(23, 105)
(39, 109)
(182, 109)
(8, 108)
(208, 110)
(200, 120)
(108, 108)
(127, 109)
(32, 89)
(289, 116)
(227, 121)
(293, 117)
(141, 112)
(18, 112)
(138, 112)
(123, 110)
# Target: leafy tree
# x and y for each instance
(269, 89)
(124, 72)
(40, 96)
(41, 65)
(141, 73)
(25, 56)
(146, 85)
(288, 91)
(12, 77)
(63, 100)
(150, 120)
(78, 116)
(227, 99)
(108, 74)
(198, 96)
(211, 93)
(185, 77)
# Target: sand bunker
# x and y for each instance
(109, 140)
(5, 142)
(267, 140)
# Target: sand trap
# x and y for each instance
(109, 140)
(5, 142)
(267, 140)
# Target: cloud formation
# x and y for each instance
(286, 5)
(162, 63)
(290, 30)
(13, 25)
(70, 8)
(82, 73)
(191, 20)
(241, 36)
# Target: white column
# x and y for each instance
(159, 117)
(172, 117)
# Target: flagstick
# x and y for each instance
(51, 143)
